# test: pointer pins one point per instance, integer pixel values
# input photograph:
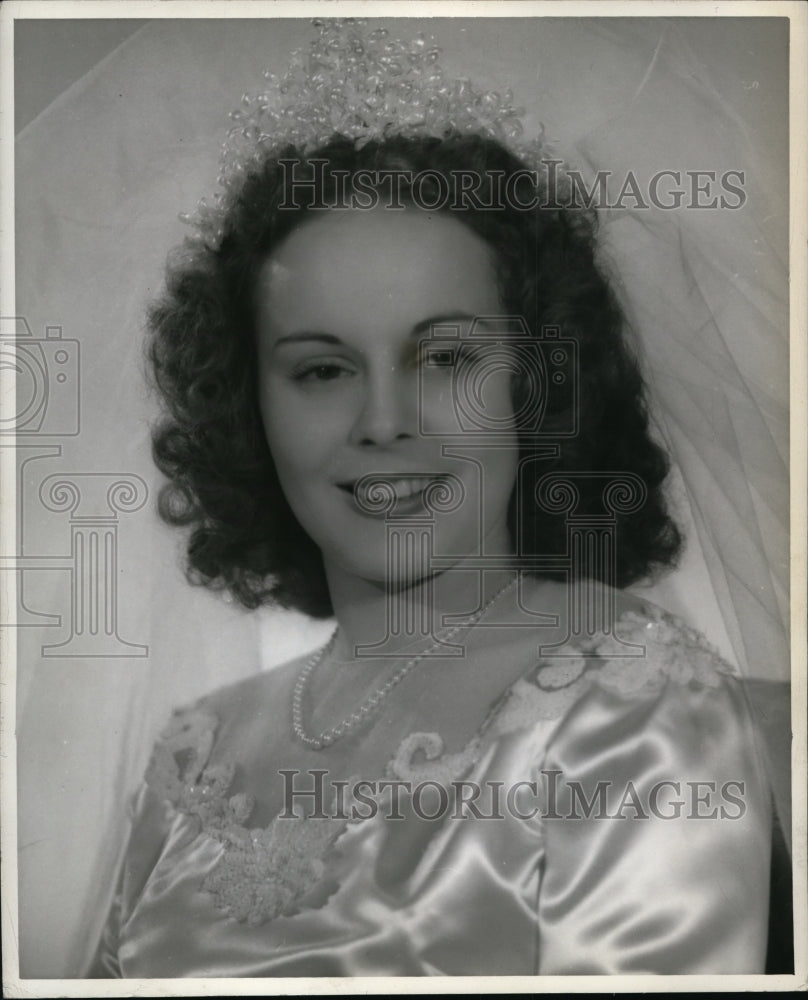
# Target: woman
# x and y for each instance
(419, 413)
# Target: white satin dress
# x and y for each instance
(643, 845)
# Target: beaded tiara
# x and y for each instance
(359, 83)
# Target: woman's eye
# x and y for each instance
(323, 371)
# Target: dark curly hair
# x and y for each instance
(202, 353)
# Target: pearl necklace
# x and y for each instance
(329, 736)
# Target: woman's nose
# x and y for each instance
(388, 410)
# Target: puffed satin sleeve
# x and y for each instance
(672, 876)
(148, 828)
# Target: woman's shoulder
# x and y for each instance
(650, 701)
(256, 693)
(203, 739)
(632, 652)
(648, 646)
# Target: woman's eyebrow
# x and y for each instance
(421, 327)
(444, 319)
(305, 336)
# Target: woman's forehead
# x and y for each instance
(370, 266)
(357, 235)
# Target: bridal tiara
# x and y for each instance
(363, 84)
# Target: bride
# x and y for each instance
(398, 391)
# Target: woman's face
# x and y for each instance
(348, 388)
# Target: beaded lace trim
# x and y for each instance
(672, 650)
(261, 872)
(264, 873)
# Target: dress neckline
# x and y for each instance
(249, 883)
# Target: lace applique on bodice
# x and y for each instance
(179, 772)
(435, 765)
(645, 650)
(263, 873)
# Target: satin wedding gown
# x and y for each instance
(656, 863)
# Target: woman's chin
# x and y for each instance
(380, 575)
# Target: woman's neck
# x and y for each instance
(376, 620)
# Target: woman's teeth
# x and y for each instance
(405, 488)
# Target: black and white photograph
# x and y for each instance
(403, 462)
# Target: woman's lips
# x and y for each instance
(373, 495)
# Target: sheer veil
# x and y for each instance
(101, 176)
